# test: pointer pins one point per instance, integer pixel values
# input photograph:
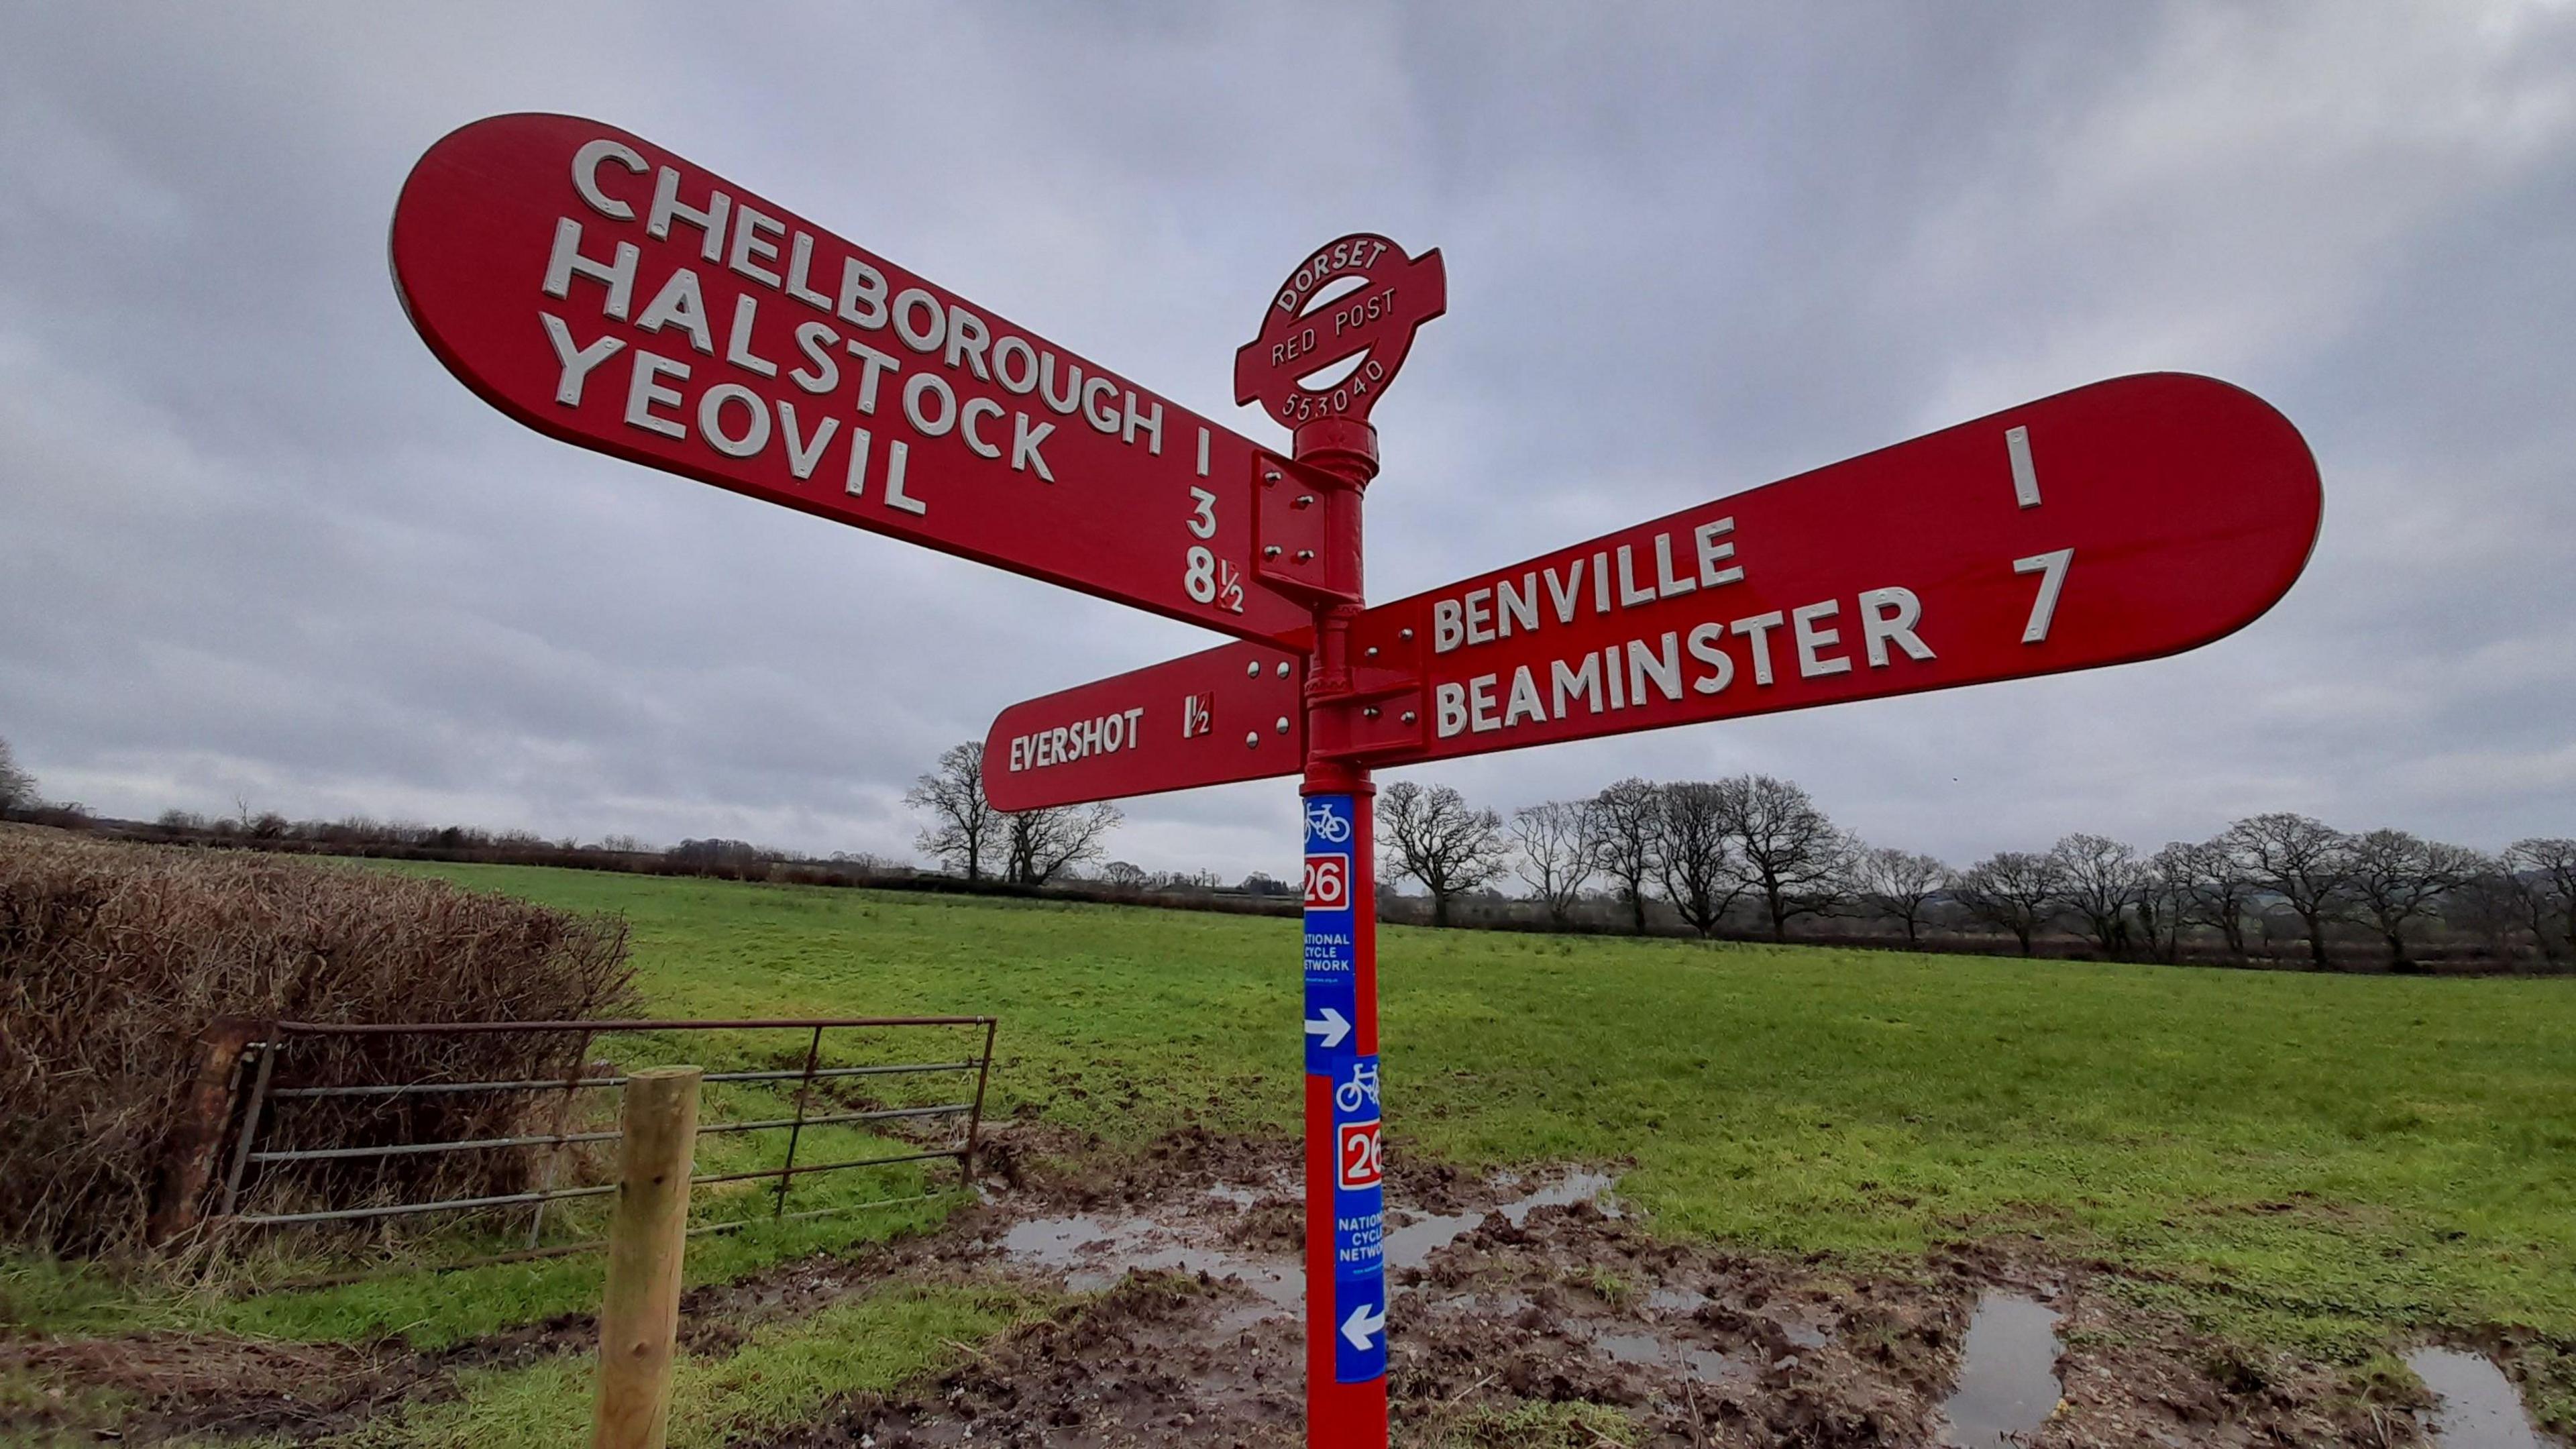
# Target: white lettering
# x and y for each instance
(1758, 630)
(567, 262)
(872, 365)
(711, 420)
(863, 295)
(680, 304)
(914, 388)
(822, 371)
(1524, 698)
(800, 261)
(1712, 553)
(667, 208)
(978, 407)
(1887, 614)
(801, 455)
(746, 310)
(642, 393)
(1565, 593)
(1003, 352)
(1449, 708)
(1663, 665)
(896, 455)
(748, 248)
(1630, 596)
(1447, 632)
(1151, 423)
(1480, 616)
(1510, 604)
(1480, 704)
(1098, 413)
(967, 338)
(585, 176)
(577, 363)
(1583, 684)
(926, 339)
(1666, 586)
(1811, 639)
(1721, 666)
(1024, 446)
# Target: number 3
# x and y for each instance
(1203, 522)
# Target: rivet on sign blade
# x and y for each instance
(1404, 635)
(1304, 500)
(1252, 670)
(1283, 669)
(1271, 552)
(1305, 555)
(1252, 739)
(1408, 716)
(1283, 724)
(1369, 713)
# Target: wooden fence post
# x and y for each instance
(639, 1318)
(197, 1132)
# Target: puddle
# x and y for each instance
(1676, 1300)
(2007, 1375)
(1095, 1252)
(1410, 1244)
(1705, 1365)
(2474, 1405)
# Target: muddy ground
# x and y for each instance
(1509, 1297)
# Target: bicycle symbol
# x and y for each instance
(1327, 823)
(1362, 1087)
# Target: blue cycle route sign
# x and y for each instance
(1332, 1052)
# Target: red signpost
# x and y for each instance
(611, 295)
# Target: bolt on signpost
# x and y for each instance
(612, 295)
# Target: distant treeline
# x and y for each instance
(1754, 857)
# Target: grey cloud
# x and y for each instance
(254, 541)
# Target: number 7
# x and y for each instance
(2051, 568)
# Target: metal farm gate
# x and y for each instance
(235, 1133)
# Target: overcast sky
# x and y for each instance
(256, 544)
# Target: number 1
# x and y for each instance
(2051, 568)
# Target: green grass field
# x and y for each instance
(2325, 1163)
(2338, 1155)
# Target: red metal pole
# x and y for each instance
(1345, 1277)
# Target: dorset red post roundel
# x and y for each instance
(1327, 350)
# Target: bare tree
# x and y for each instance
(1126, 875)
(1626, 818)
(1695, 850)
(2100, 879)
(2546, 868)
(2013, 890)
(1558, 850)
(2305, 862)
(17, 787)
(2396, 878)
(1441, 842)
(2165, 899)
(1902, 884)
(1037, 844)
(2210, 888)
(965, 831)
(1788, 852)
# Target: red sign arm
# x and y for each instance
(610, 294)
